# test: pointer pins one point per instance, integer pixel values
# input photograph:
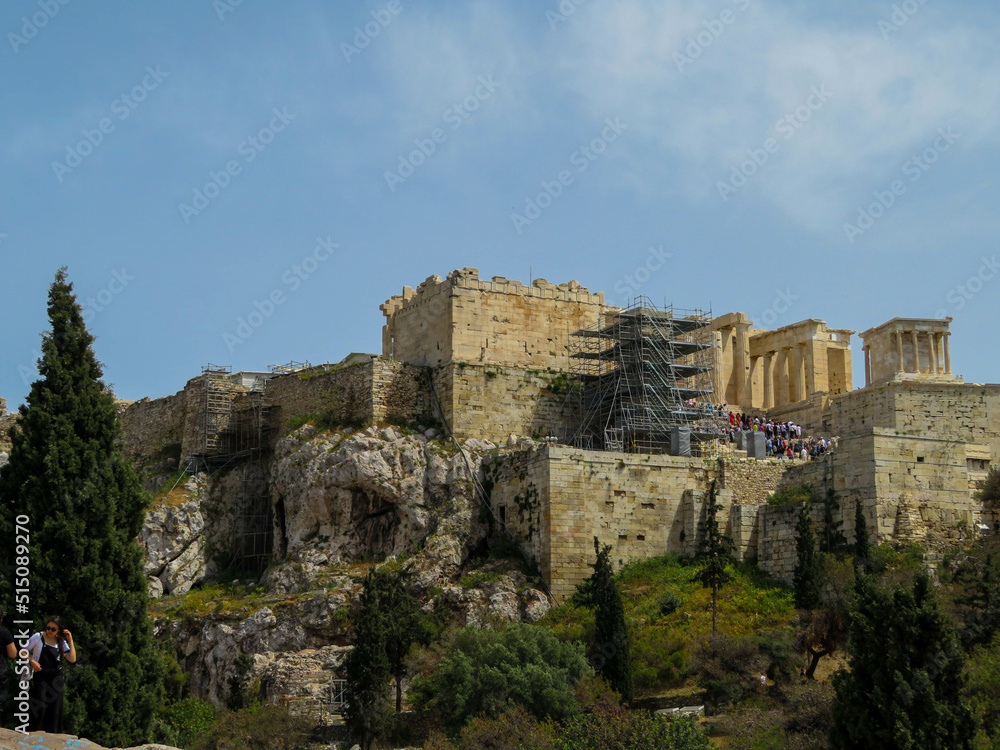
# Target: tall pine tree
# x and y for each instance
(612, 646)
(862, 543)
(715, 553)
(84, 505)
(807, 578)
(904, 687)
(367, 667)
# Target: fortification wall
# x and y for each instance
(503, 322)
(492, 402)
(751, 481)
(857, 412)
(151, 424)
(966, 412)
(642, 506)
(776, 550)
(343, 393)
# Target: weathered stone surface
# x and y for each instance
(172, 535)
(375, 494)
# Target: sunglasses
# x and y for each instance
(51, 630)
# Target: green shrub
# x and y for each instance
(512, 730)
(659, 658)
(490, 671)
(793, 493)
(670, 602)
(619, 729)
(988, 490)
(181, 723)
(261, 727)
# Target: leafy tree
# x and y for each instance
(978, 596)
(490, 671)
(715, 554)
(905, 684)
(988, 490)
(862, 542)
(612, 647)
(403, 626)
(832, 540)
(367, 668)
(824, 631)
(983, 689)
(807, 578)
(84, 507)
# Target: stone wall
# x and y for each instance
(642, 506)
(375, 390)
(150, 425)
(858, 411)
(751, 481)
(7, 422)
(776, 552)
(503, 322)
(492, 402)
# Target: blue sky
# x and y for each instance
(194, 162)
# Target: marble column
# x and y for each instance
(947, 354)
(781, 378)
(868, 364)
(768, 376)
(932, 341)
(741, 356)
(899, 350)
(916, 351)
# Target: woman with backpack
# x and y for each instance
(45, 652)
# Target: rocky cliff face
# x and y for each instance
(373, 495)
(341, 502)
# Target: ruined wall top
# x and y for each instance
(463, 318)
(468, 278)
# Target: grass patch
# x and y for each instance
(663, 638)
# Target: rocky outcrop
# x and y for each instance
(176, 547)
(340, 501)
(376, 494)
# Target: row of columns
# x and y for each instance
(939, 353)
(784, 374)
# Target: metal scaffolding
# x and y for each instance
(646, 371)
(237, 432)
(218, 406)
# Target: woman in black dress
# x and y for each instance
(46, 651)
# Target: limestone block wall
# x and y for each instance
(491, 402)
(776, 552)
(7, 422)
(519, 495)
(642, 506)
(376, 390)
(862, 410)
(463, 318)
(967, 412)
(751, 481)
(149, 425)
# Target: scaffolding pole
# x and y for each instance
(237, 432)
(646, 371)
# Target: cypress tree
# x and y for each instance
(84, 505)
(367, 668)
(715, 554)
(402, 612)
(904, 688)
(612, 646)
(862, 544)
(806, 580)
